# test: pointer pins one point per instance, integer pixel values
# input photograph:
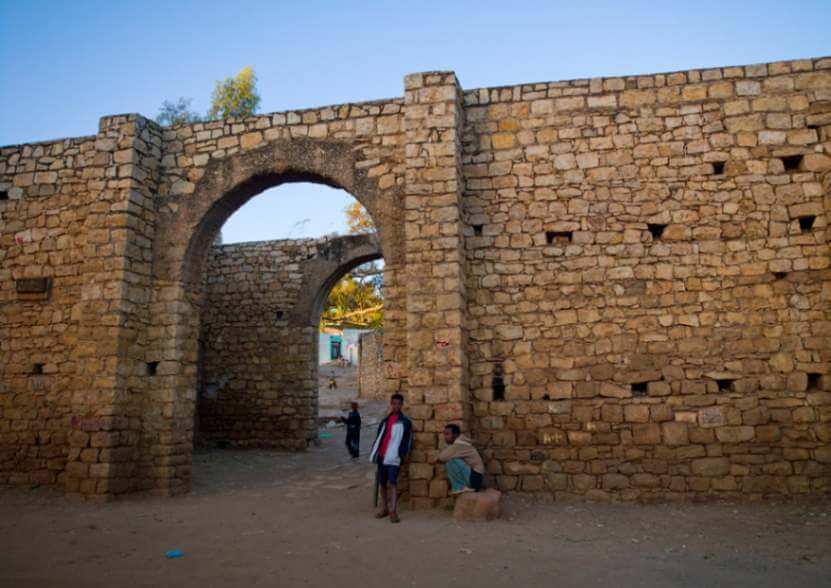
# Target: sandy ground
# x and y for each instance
(259, 518)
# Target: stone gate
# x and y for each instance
(620, 286)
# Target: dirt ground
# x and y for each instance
(260, 518)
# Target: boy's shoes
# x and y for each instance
(461, 491)
(394, 517)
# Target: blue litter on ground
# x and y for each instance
(326, 435)
(174, 554)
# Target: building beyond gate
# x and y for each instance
(620, 286)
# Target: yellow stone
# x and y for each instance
(503, 141)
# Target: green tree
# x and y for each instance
(175, 113)
(354, 303)
(236, 96)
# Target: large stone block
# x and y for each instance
(478, 506)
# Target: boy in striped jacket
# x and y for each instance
(393, 443)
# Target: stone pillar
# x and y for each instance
(112, 313)
(437, 390)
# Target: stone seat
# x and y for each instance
(478, 506)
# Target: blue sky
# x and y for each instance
(65, 64)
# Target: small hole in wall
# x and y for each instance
(725, 385)
(780, 275)
(279, 315)
(152, 368)
(558, 237)
(718, 168)
(477, 230)
(37, 369)
(806, 223)
(657, 230)
(813, 381)
(4, 195)
(498, 382)
(792, 162)
(639, 388)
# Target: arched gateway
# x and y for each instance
(619, 286)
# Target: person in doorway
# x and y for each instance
(393, 443)
(353, 431)
(465, 467)
(333, 383)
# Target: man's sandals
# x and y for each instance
(392, 515)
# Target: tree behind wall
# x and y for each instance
(235, 97)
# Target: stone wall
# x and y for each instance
(620, 286)
(259, 337)
(371, 366)
(648, 283)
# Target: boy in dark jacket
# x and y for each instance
(353, 431)
(393, 443)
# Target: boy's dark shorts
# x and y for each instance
(388, 474)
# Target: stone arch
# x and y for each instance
(227, 184)
(337, 258)
(189, 217)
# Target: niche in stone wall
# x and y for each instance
(656, 229)
(152, 368)
(791, 162)
(4, 195)
(477, 230)
(725, 385)
(558, 237)
(806, 223)
(814, 381)
(498, 381)
(639, 389)
(718, 168)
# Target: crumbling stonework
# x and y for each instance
(371, 365)
(619, 286)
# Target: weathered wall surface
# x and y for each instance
(371, 366)
(651, 274)
(259, 337)
(620, 286)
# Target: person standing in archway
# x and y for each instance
(353, 431)
(393, 443)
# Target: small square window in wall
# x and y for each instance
(558, 237)
(718, 168)
(37, 369)
(656, 230)
(4, 195)
(792, 162)
(814, 381)
(152, 368)
(477, 230)
(639, 389)
(725, 385)
(806, 223)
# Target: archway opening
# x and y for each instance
(289, 288)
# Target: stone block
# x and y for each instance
(478, 506)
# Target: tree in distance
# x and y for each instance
(176, 113)
(235, 97)
(232, 97)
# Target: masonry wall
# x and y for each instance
(257, 383)
(649, 285)
(620, 286)
(258, 370)
(371, 366)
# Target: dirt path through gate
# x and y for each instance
(259, 518)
